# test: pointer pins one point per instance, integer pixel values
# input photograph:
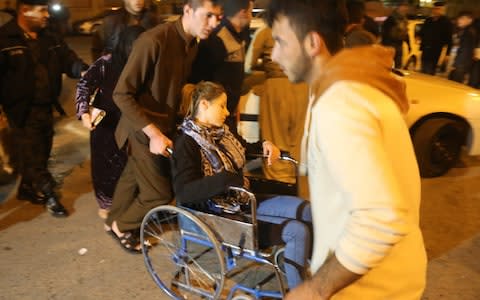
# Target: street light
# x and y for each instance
(56, 7)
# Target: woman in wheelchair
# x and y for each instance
(209, 158)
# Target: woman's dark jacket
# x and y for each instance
(192, 188)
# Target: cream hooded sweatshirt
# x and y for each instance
(363, 176)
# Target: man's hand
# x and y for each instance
(305, 291)
(158, 141)
(271, 152)
(87, 121)
(326, 282)
(159, 145)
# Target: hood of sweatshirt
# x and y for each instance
(371, 65)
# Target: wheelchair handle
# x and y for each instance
(286, 157)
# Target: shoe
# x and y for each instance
(129, 242)
(26, 192)
(55, 208)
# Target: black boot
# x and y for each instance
(27, 192)
(54, 207)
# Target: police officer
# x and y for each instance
(32, 61)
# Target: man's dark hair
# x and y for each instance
(465, 13)
(439, 3)
(232, 7)
(198, 3)
(31, 2)
(326, 17)
(356, 11)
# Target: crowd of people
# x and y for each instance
(438, 33)
(361, 223)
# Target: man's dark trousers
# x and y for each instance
(33, 144)
(430, 60)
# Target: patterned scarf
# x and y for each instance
(220, 150)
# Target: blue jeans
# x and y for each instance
(295, 216)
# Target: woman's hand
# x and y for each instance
(87, 121)
(271, 152)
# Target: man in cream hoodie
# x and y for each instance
(363, 176)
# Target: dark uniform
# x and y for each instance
(435, 34)
(464, 58)
(30, 83)
(474, 78)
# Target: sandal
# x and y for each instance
(129, 242)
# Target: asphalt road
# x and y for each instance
(39, 256)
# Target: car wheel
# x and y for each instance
(438, 143)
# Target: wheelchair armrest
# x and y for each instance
(284, 155)
(252, 199)
(251, 196)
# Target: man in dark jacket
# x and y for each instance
(395, 31)
(435, 34)
(467, 36)
(474, 78)
(133, 12)
(221, 57)
(32, 62)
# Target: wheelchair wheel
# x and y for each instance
(182, 254)
(243, 297)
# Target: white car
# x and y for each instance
(444, 117)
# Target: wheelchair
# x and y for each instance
(192, 254)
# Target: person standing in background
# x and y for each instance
(282, 105)
(32, 61)
(467, 36)
(133, 12)
(435, 34)
(221, 57)
(98, 82)
(474, 79)
(356, 34)
(395, 31)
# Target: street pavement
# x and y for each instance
(39, 254)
